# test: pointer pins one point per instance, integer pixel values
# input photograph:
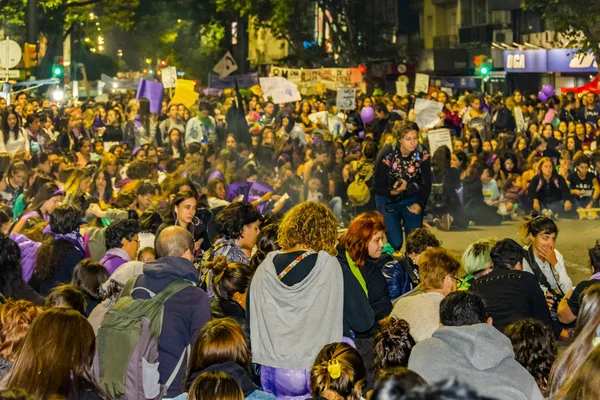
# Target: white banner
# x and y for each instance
(427, 113)
(439, 138)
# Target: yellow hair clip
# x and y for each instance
(334, 369)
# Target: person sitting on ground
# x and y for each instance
(543, 260)
(89, 276)
(122, 244)
(437, 267)
(62, 249)
(550, 193)
(585, 338)
(16, 317)
(469, 349)
(215, 386)
(66, 355)
(12, 284)
(568, 308)
(397, 382)
(393, 344)
(476, 260)
(146, 255)
(509, 293)
(403, 276)
(67, 296)
(186, 312)
(584, 384)
(222, 346)
(534, 349)
(338, 372)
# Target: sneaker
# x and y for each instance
(555, 217)
(443, 224)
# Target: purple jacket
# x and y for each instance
(114, 258)
(29, 250)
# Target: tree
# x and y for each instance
(578, 21)
(59, 17)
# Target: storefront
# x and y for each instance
(530, 69)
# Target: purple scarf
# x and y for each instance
(595, 276)
(74, 238)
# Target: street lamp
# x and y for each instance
(179, 20)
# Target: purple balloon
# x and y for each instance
(548, 90)
(367, 114)
(543, 96)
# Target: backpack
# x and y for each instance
(126, 360)
(437, 197)
(359, 193)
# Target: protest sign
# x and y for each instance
(346, 99)
(427, 113)
(519, 120)
(421, 83)
(280, 90)
(401, 89)
(226, 66)
(439, 138)
(185, 93)
(169, 77)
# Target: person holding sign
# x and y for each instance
(402, 182)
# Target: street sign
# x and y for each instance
(10, 54)
(169, 77)
(11, 73)
(346, 99)
(226, 66)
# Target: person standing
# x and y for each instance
(402, 182)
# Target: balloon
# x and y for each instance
(367, 114)
(543, 96)
(548, 90)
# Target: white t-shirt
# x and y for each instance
(557, 277)
(13, 145)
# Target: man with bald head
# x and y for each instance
(185, 313)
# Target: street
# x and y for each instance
(575, 237)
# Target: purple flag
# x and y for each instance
(258, 190)
(153, 91)
(236, 189)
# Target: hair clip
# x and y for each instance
(334, 369)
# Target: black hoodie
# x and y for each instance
(185, 313)
(234, 370)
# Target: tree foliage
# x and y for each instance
(578, 21)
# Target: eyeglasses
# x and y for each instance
(459, 282)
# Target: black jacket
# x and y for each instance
(378, 298)
(64, 272)
(185, 314)
(234, 370)
(510, 296)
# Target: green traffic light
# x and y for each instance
(484, 70)
(57, 71)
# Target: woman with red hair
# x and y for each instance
(358, 251)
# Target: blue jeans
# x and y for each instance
(397, 215)
(557, 207)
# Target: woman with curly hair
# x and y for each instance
(534, 349)
(62, 249)
(12, 284)
(296, 300)
(15, 319)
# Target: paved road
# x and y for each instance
(574, 239)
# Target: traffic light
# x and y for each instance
(483, 65)
(29, 55)
(163, 63)
(57, 71)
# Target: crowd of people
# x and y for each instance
(241, 249)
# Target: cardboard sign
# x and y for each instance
(439, 138)
(421, 83)
(346, 99)
(169, 77)
(226, 66)
(401, 88)
(519, 120)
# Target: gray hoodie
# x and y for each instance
(478, 355)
